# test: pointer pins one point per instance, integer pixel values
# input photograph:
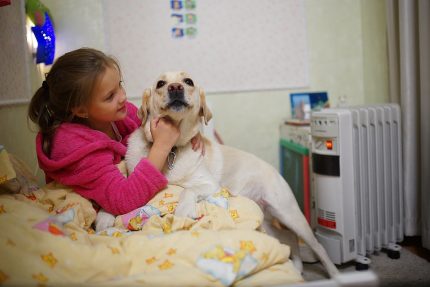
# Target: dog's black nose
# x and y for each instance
(176, 92)
(175, 87)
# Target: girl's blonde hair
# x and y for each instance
(68, 85)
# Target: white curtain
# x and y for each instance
(408, 26)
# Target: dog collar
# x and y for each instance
(171, 158)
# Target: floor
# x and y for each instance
(411, 269)
(413, 244)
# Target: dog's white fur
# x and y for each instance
(202, 175)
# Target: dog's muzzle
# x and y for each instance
(176, 96)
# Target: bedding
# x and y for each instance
(46, 238)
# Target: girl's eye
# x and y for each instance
(110, 97)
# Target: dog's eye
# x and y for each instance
(160, 84)
(189, 82)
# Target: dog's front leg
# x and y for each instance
(187, 206)
(104, 220)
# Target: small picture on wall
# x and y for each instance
(177, 18)
(176, 4)
(190, 4)
(191, 32)
(190, 18)
(177, 32)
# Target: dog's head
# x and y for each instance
(175, 95)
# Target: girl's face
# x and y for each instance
(108, 100)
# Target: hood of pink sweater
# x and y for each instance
(72, 143)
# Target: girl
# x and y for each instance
(84, 122)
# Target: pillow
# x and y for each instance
(15, 176)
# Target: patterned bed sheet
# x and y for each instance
(47, 238)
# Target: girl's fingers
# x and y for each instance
(195, 143)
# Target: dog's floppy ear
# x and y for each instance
(143, 112)
(204, 109)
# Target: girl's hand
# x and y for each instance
(164, 135)
(197, 142)
(164, 132)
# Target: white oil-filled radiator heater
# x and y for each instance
(357, 180)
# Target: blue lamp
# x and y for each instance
(43, 30)
(45, 36)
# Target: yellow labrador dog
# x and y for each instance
(175, 95)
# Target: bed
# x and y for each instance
(47, 238)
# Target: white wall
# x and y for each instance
(78, 23)
(338, 65)
(14, 55)
(347, 57)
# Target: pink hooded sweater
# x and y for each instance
(85, 159)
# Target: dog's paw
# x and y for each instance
(104, 220)
(184, 209)
(298, 263)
